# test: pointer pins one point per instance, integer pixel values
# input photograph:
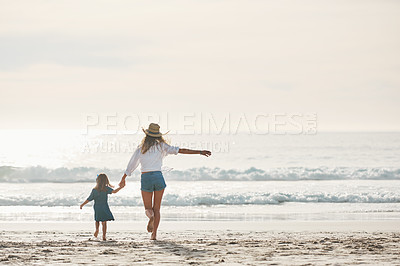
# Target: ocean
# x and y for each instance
(324, 176)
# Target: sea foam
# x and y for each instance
(174, 199)
(37, 174)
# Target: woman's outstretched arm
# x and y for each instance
(201, 152)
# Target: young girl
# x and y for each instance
(99, 194)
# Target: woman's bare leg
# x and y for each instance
(104, 227)
(156, 208)
(147, 201)
(97, 225)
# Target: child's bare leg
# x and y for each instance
(104, 226)
(96, 233)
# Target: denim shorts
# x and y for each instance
(152, 181)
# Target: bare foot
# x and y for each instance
(104, 238)
(96, 233)
(153, 236)
(149, 213)
(150, 225)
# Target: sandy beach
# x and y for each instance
(261, 132)
(306, 244)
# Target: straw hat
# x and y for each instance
(153, 130)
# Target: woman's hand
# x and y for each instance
(122, 183)
(205, 153)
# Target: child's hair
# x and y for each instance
(102, 182)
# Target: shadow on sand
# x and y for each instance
(179, 249)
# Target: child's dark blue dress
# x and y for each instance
(102, 212)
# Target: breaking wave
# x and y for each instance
(211, 199)
(39, 174)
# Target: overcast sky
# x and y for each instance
(60, 60)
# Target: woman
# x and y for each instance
(150, 154)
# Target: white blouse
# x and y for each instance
(152, 159)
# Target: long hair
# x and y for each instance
(149, 141)
(102, 182)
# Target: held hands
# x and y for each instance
(122, 183)
(205, 153)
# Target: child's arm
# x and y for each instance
(83, 204)
(90, 198)
(117, 189)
